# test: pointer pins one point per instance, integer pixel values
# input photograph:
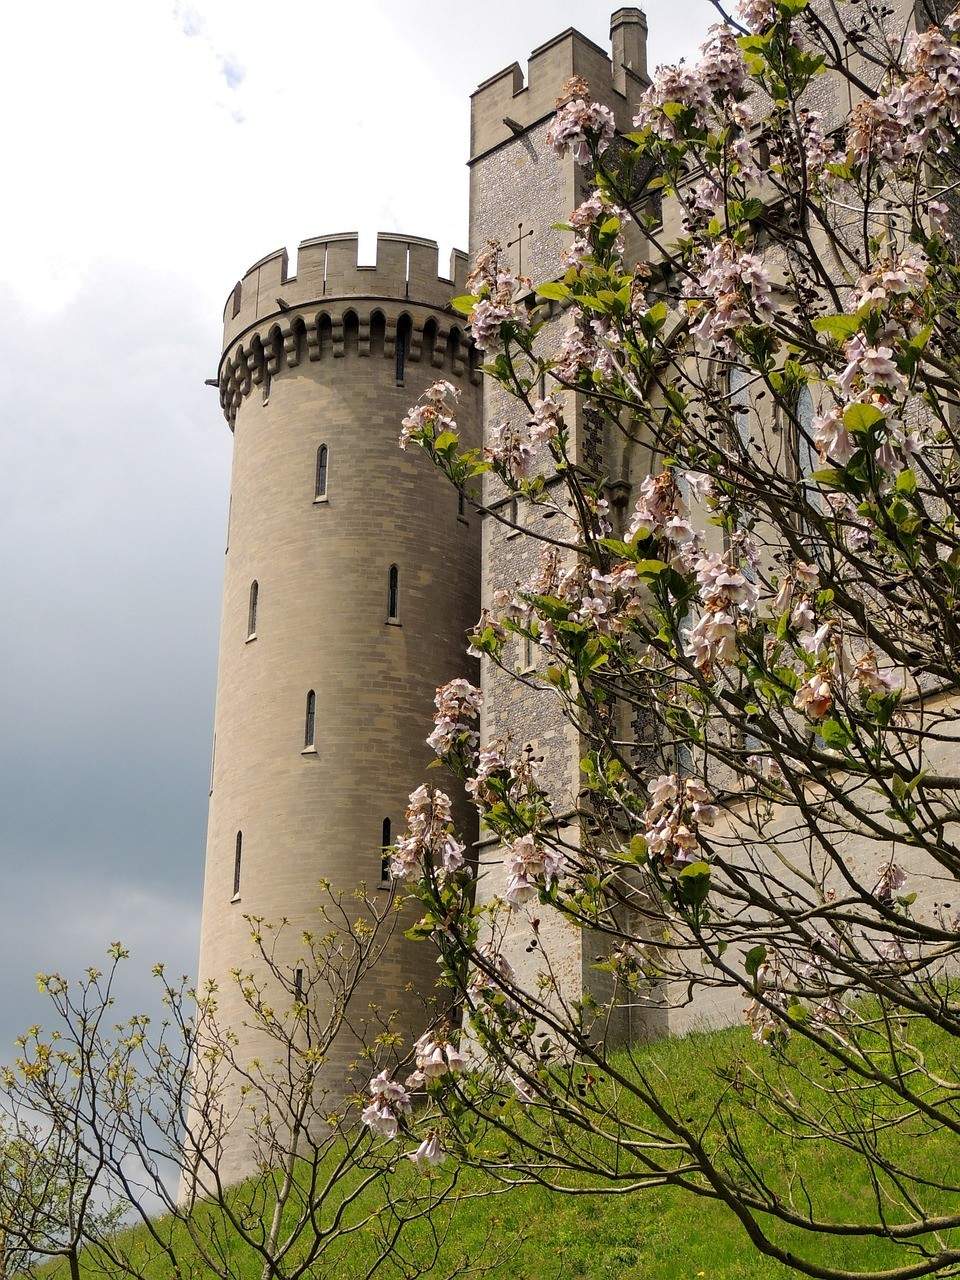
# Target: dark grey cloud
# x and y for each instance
(113, 499)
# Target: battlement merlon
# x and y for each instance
(406, 267)
(503, 106)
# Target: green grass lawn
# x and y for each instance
(529, 1233)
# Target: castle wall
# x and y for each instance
(518, 183)
(516, 178)
(322, 568)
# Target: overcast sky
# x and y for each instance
(153, 151)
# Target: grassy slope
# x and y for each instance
(662, 1233)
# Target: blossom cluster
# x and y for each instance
(512, 446)
(920, 111)
(731, 289)
(712, 85)
(531, 866)
(497, 302)
(431, 415)
(589, 346)
(678, 807)
(727, 596)
(579, 122)
(389, 1102)
(758, 14)
(429, 836)
(584, 221)
(815, 694)
(436, 1056)
(458, 704)
(661, 510)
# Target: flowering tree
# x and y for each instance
(760, 654)
(108, 1125)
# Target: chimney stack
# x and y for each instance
(628, 42)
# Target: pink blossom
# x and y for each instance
(577, 352)
(546, 421)
(712, 85)
(528, 864)
(892, 879)
(432, 415)
(733, 289)
(428, 817)
(713, 639)
(511, 448)
(457, 703)
(815, 696)
(939, 214)
(871, 679)
(676, 809)
(428, 1153)
(435, 1056)
(832, 438)
(577, 124)
(758, 14)
(489, 315)
(389, 1101)
(874, 133)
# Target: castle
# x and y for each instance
(353, 571)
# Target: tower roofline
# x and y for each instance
(328, 266)
(505, 105)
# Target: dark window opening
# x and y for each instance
(404, 325)
(385, 842)
(252, 611)
(321, 489)
(310, 724)
(393, 593)
(237, 858)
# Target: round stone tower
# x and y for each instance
(352, 574)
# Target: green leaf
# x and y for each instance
(553, 291)
(834, 733)
(638, 848)
(754, 959)
(861, 417)
(694, 869)
(650, 568)
(422, 930)
(694, 883)
(464, 304)
(906, 482)
(657, 314)
(445, 440)
(837, 326)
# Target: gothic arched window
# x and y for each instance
(310, 721)
(252, 610)
(385, 842)
(237, 858)
(805, 453)
(402, 346)
(321, 487)
(393, 594)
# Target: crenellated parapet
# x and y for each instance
(335, 307)
(503, 106)
(361, 329)
(406, 267)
